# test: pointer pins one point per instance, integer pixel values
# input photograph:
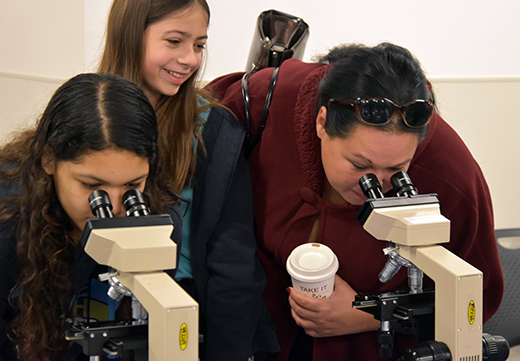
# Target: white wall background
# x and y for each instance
(470, 50)
(452, 38)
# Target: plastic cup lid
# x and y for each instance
(312, 262)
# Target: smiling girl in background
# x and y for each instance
(159, 45)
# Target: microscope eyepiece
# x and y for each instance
(135, 204)
(100, 204)
(403, 185)
(370, 186)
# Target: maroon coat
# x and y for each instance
(287, 182)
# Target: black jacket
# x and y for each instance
(228, 275)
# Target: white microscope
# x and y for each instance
(137, 248)
(450, 317)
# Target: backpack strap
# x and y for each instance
(250, 141)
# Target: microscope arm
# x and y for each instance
(458, 298)
(170, 311)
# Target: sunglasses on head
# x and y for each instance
(379, 111)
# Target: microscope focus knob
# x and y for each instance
(494, 348)
(428, 351)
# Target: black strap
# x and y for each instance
(251, 142)
(247, 106)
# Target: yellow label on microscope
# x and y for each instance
(183, 337)
(471, 312)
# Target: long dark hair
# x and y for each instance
(89, 113)
(358, 71)
(177, 114)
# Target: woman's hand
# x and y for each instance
(331, 316)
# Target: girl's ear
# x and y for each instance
(321, 118)
(48, 160)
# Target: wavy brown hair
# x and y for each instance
(177, 114)
(89, 113)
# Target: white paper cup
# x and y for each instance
(312, 267)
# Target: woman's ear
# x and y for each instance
(321, 118)
(48, 160)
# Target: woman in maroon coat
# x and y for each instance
(305, 175)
